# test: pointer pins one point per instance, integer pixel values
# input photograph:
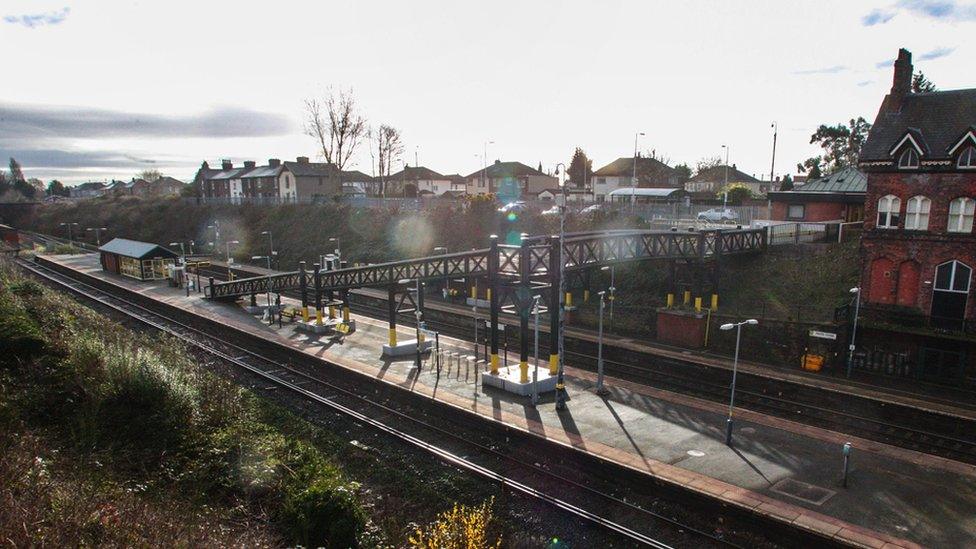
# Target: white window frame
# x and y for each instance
(955, 263)
(889, 206)
(967, 158)
(917, 213)
(803, 211)
(961, 221)
(912, 155)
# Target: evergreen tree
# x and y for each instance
(920, 84)
(16, 173)
(580, 168)
(787, 183)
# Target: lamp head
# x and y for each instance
(256, 257)
(265, 232)
(605, 268)
(752, 322)
(726, 327)
(234, 242)
(855, 290)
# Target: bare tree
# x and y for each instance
(150, 174)
(389, 146)
(337, 125)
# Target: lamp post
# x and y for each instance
(535, 372)
(633, 181)
(600, 389)
(186, 275)
(98, 234)
(484, 166)
(850, 348)
(560, 388)
(725, 188)
(442, 250)
(735, 368)
(68, 225)
(216, 230)
(338, 249)
(270, 248)
(612, 289)
(268, 257)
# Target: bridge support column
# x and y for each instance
(555, 258)
(329, 294)
(318, 292)
(304, 286)
(525, 305)
(344, 295)
(672, 286)
(392, 304)
(717, 268)
(254, 300)
(586, 287)
(493, 300)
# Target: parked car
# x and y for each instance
(593, 209)
(513, 207)
(551, 211)
(716, 215)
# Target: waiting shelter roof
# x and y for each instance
(135, 249)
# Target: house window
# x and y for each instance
(601, 181)
(961, 215)
(795, 211)
(888, 209)
(968, 158)
(320, 181)
(908, 159)
(917, 213)
(953, 277)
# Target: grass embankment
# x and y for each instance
(112, 438)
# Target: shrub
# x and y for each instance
(325, 512)
(462, 527)
(22, 339)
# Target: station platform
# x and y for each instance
(780, 469)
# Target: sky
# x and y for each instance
(103, 89)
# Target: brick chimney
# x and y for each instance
(226, 164)
(249, 164)
(901, 84)
(274, 162)
(302, 159)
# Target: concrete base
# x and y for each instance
(508, 380)
(327, 326)
(407, 347)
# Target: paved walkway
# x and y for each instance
(789, 471)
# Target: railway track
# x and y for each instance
(526, 477)
(665, 374)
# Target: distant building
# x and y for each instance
(509, 181)
(139, 260)
(709, 182)
(458, 183)
(837, 197)
(918, 247)
(90, 189)
(311, 181)
(412, 181)
(651, 173)
(300, 180)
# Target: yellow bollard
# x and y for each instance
(586, 296)
(305, 314)
(331, 312)
(697, 304)
(474, 292)
(687, 297)
(553, 364)
(494, 364)
(670, 300)
(345, 315)
(714, 302)
(523, 371)
(392, 337)
(318, 316)
(569, 299)
(488, 294)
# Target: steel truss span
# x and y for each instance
(581, 251)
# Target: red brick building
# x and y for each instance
(837, 197)
(918, 247)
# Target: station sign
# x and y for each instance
(823, 335)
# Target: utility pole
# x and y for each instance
(633, 181)
(772, 166)
(725, 188)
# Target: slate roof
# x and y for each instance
(506, 169)
(263, 171)
(939, 119)
(847, 180)
(645, 166)
(313, 169)
(717, 173)
(135, 249)
(416, 173)
(229, 174)
(355, 176)
(665, 192)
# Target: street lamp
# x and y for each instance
(270, 248)
(850, 348)
(216, 230)
(417, 313)
(98, 234)
(484, 166)
(268, 257)
(600, 389)
(633, 181)
(612, 289)
(442, 250)
(735, 367)
(725, 188)
(535, 372)
(68, 225)
(560, 388)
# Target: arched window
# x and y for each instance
(908, 159)
(888, 212)
(961, 215)
(953, 276)
(967, 160)
(917, 213)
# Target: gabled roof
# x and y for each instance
(649, 192)
(91, 186)
(717, 173)
(233, 173)
(167, 180)
(506, 169)
(355, 176)
(646, 166)
(135, 249)
(847, 180)
(939, 118)
(310, 169)
(263, 171)
(416, 173)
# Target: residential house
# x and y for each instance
(918, 247)
(356, 183)
(261, 181)
(309, 181)
(651, 173)
(418, 180)
(459, 185)
(90, 189)
(509, 181)
(711, 181)
(167, 186)
(837, 197)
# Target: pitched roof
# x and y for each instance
(91, 186)
(939, 119)
(233, 173)
(847, 180)
(135, 249)
(355, 176)
(263, 171)
(416, 173)
(167, 180)
(645, 166)
(506, 169)
(313, 169)
(717, 173)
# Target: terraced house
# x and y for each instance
(919, 249)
